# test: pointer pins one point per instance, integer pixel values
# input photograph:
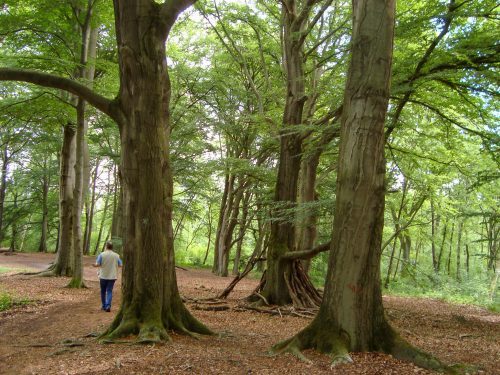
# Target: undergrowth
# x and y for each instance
(469, 290)
(8, 301)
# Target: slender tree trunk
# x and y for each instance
(227, 224)
(42, 247)
(241, 232)
(434, 230)
(459, 250)
(86, 71)
(441, 247)
(448, 264)
(228, 182)
(118, 221)
(13, 225)
(3, 186)
(467, 255)
(90, 216)
(103, 220)
(63, 265)
(77, 277)
(209, 234)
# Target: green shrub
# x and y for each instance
(7, 301)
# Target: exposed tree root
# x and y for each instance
(315, 336)
(211, 308)
(153, 331)
(76, 284)
(302, 291)
(404, 351)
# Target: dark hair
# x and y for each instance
(109, 245)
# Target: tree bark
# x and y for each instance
(42, 247)
(3, 186)
(90, 212)
(151, 303)
(13, 225)
(241, 232)
(351, 316)
(282, 237)
(103, 219)
(63, 264)
(434, 229)
(459, 250)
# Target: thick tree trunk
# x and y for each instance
(351, 316)
(151, 303)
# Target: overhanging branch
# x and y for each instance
(103, 104)
(306, 254)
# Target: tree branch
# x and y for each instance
(105, 105)
(306, 254)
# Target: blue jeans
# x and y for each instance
(106, 293)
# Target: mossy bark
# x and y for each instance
(151, 304)
(351, 316)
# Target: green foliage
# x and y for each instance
(7, 301)
(473, 289)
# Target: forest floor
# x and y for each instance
(56, 333)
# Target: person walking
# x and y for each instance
(108, 262)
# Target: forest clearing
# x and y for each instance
(54, 334)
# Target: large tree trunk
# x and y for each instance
(306, 227)
(282, 238)
(151, 303)
(351, 316)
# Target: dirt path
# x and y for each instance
(54, 336)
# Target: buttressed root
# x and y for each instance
(402, 350)
(292, 346)
(336, 347)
